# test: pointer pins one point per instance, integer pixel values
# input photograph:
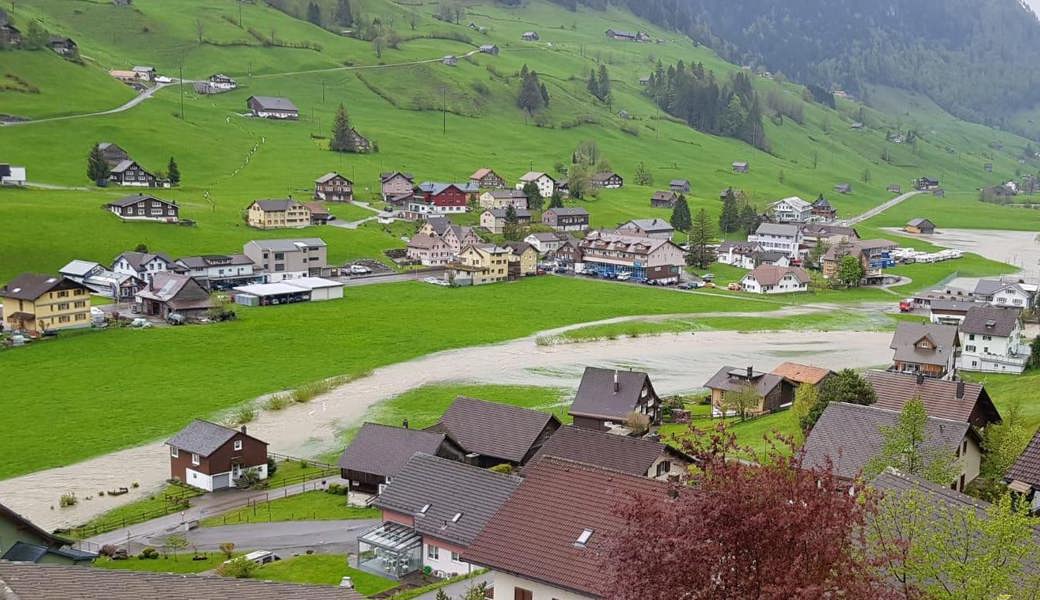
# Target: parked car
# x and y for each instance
(708, 277)
(176, 319)
(689, 285)
(359, 270)
(140, 322)
(733, 287)
(624, 276)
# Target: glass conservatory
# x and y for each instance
(390, 550)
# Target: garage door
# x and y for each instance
(221, 481)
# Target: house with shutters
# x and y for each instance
(278, 214)
(546, 184)
(481, 264)
(333, 187)
(212, 457)
(606, 398)
(926, 349)
(495, 219)
(129, 173)
(272, 107)
(429, 250)
(142, 207)
(606, 180)
(37, 303)
(432, 510)
(446, 198)
(791, 210)
(379, 452)
(485, 179)
(993, 340)
(566, 219)
(783, 237)
(775, 279)
(998, 292)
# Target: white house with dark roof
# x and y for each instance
(272, 107)
(212, 457)
(12, 175)
(785, 237)
(775, 279)
(1006, 293)
(546, 184)
(992, 339)
(791, 210)
(144, 265)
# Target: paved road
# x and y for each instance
(146, 94)
(459, 588)
(877, 210)
(330, 537)
(392, 278)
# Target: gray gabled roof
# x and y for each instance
(598, 397)
(991, 320)
(634, 456)
(135, 198)
(943, 337)
(732, 379)
(202, 437)
(447, 488)
(274, 103)
(568, 211)
(384, 450)
(500, 431)
(25, 552)
(988, 287)
(783, 229)
(655, 224)
(330, 176)
(851, 435)
(276, 205)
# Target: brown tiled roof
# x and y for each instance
(25, 581)
(598, 398)
(1027, 466)
(772, 274)
(383, 450)
(30, 286)
(448, 488)
(634, 456)
(956, 400)
(495, 430)
(850, 435)
(800, 373)
(534, 535)
(943, 337)
(733, 379)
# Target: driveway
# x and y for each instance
(328, 537)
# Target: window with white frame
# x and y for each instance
(433, 552)
(174, 452)
(195, 459)
(238, 444)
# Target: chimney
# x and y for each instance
(243, 428)
(750, 373)
(960, 390)
(920, 379)
(404, 423)
(617, 384)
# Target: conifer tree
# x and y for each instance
(173, 172)
(342, 140)
(97, 168)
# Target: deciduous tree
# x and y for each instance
(850, 271)
(844, 386)
(643, 176)
(905, 447)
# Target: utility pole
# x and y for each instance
(323, 91)
(240, 14)
(444, 111)
(181, 85)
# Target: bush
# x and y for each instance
(504, 468)
(249, 479)
(239, 568)
(68, 499)
(228, 549)
(272, 466)
(244, 415)
(337, 490)
(278, 402)
(108, 550)
(637, 423)
(148, 554)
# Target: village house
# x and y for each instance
(485, 178)
(271, 107)
(429, 250)
(791, 210)
(503, 199)
(379, 452)
(222, 82)
(446, 198)
(606, 398)
(288, 258)
(480, 264)
(432, 511)
(489, 49)
(141, 207)
(25, 542)
(641, 457)
(219, 271)
(799, 374)
(680, 186)
(450, 60)
(566, 219)
(333, 187)
(928, 349)
(494, 219)
(170, 293)
(145, 73)
(546, 242)
(37, 303)
(606, 180)
(843, 188)
(741, 167)
(948, 312)
(455, 236)
(926, 183)
(770, 257)
(530, 36)
(213, 457)
(568, 255)
(662, 199)
(919, 225)
(319, 214)
(112, 154)
(143, 265)
(525, 258)
(738, 254)
(628, 36)
(547, 540)
(129, 173)
(873, 255)
(775, 279)
(943, 399)
(827, 233)
(546, 184)
(100, 280)
(1006, 293)
(849, 436)
(10, 36)
(783, 237)
(609, 254)
(63, 46)
(23, 580)
(11, 175)
(491, 434)
(1023, 477)
(823, 211)
(654, 228)
(396, 183)
(278, 214)
(993, 340)
(767, 392)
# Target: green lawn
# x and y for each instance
(174, 563)
(749, 434)
(1007, 389)
(291, 472)
(308, 506)
(155, 504)
(323, 569)
(372, 326)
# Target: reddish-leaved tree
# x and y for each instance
(744, 531)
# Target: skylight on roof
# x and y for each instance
(425, 507)
(584, 538)
(456, 518)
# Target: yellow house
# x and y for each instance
(38, 303)
(479, 264)
(527, 257)
(278, 214)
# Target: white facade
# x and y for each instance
(444, 560)
(546, 185)
(17, 177)
(792, 210)
(1011, 296)
(737, 259)
(219, 481)
(994, 354)
(321, 289)
(148, 269)
(507, 587)
(782, 238)
(787, 284)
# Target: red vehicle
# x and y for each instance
(906, 306)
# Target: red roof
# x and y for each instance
(535, 533)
